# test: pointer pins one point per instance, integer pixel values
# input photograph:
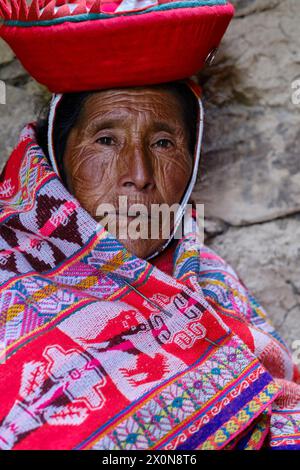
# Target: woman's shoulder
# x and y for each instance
(211, 261)
(221, 282)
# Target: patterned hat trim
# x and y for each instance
(19, 13)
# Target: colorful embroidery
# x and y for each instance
(102, 350)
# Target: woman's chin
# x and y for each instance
(135, 236)
(143, 248)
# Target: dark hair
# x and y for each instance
(71, 104)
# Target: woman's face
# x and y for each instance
(129, 142)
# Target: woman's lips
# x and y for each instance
(126, 215)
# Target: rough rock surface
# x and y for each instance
(251, 165)
(24, 101)
(249, 178)
(6, 55)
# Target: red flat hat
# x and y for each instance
(92, 44)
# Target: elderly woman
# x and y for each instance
(132, 142)
(139, 343)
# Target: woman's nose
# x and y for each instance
(139, 171)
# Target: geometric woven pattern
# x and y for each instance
(103, 350)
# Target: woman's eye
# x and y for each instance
(105, 140)
(164, 143)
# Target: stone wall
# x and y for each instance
(249, 178)
(24, 100)
(250, 175)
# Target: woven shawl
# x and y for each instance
(102, 350)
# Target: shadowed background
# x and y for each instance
(249, 178)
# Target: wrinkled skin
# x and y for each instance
(131, 142)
